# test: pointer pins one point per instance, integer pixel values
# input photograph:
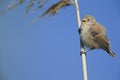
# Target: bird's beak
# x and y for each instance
(84, 21)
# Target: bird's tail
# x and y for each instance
(111, 53)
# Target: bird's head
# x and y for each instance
(88, 20)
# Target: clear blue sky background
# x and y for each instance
(49, 49)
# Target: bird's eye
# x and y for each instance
(88, 19)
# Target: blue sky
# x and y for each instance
(49, 49)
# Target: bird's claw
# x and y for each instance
(82, 52)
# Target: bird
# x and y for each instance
(93, 35)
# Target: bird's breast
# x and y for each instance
(87, 38)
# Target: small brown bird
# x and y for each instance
(93, 35)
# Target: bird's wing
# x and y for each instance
(99, 36)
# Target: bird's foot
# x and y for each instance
(82, 52)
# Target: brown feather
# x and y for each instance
(99, 36)
(101, 39)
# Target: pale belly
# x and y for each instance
(88, 40)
